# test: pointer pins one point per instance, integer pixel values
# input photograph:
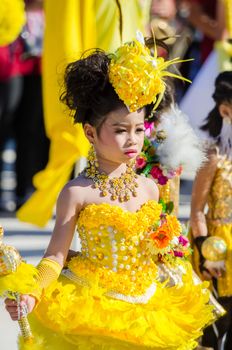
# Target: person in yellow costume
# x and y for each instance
(213, 188)
(131, 286)
(72, 26)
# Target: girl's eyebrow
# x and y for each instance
(125, 124)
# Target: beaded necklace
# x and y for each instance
(120, 187)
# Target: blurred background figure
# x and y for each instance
(207, 16)
(167, 19)
(210, 19)
(212, 189)
(21, 108)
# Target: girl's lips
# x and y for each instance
(130, 153)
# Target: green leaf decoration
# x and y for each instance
(147, 169)
(162, 202)
(169, 207)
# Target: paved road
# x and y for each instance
(31, 243)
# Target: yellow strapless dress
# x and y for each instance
(111, 296)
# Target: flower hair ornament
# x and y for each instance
(170, 146)
(138, 76)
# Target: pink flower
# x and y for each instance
(148, 128)
(156, 172)
(183, 241)
(178, 254)
(162, 180)
(171, 174)
(140, 162)
(179, 170)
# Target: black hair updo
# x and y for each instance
(222, 94)
(88, 92)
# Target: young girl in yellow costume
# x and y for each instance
(113, 295)
(213, 187)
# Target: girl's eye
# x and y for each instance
(140, 130)
(120, 131)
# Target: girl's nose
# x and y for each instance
(131, 139)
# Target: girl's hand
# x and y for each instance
(18, 310)
(214, 269)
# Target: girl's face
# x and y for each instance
(121, 136)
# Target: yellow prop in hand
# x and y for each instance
(15, 277)
(214, 249)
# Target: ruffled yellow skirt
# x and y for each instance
(80, 317)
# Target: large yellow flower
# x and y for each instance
(137, 76)
(12, 19)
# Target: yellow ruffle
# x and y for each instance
(172, 319)
(109, 280)
(131, 223)
(21, 281)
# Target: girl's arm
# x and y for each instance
(50, 266)
(201, 188)
(67, 210)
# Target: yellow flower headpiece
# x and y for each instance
(137, 76)
(12, 19)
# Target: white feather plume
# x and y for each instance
(181, 146)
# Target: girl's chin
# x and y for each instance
(129, 159)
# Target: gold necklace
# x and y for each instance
(119, 187)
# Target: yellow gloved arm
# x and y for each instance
(48, 272)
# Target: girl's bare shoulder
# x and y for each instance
(149, 186)
(76, 190)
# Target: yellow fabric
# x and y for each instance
(224, 47)
(224, 51)
(219, 220)
(79, 315)
(12, 20)
(72, 26)
(228, 15)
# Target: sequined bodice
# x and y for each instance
(220, 197)
(113, 247)
(113, 237)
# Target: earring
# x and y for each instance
(92, 162)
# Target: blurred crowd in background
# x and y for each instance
(192, 26)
